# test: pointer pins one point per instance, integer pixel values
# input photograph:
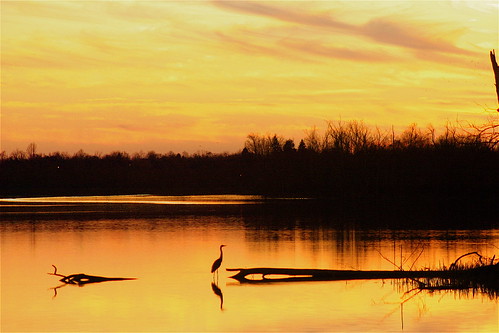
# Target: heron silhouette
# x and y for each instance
(218, 262)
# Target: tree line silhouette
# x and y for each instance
(347, 161)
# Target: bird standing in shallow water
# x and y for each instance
(218, 262)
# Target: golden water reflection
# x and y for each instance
(143, 199)
(171, 257)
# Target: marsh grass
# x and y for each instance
(477, 275)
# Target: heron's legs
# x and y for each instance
(215, 276)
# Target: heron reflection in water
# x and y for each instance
(217, 291)
(217, 263)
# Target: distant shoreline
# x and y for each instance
(348, 165)
(460, 173)
(382, 213)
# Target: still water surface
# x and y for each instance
(170, 252)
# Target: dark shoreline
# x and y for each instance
(467, 174)
(279, 213)
(411, 179)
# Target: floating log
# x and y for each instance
(268, 274)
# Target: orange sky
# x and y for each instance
(200, 76)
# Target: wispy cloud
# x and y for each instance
(393, 33)
(297, 47)
(380, 30)
(317, 48)
(283, 14)
(256, 48)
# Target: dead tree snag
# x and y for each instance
(495, 67)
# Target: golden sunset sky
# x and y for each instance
(201, 75)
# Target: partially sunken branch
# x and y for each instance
(82, 279)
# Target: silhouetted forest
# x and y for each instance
(348, 161)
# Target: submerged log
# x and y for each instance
(268, 274)
(82, 279)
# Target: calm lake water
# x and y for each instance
(169, 244)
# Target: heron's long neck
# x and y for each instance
(221, 253)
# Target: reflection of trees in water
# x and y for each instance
(352, 242)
